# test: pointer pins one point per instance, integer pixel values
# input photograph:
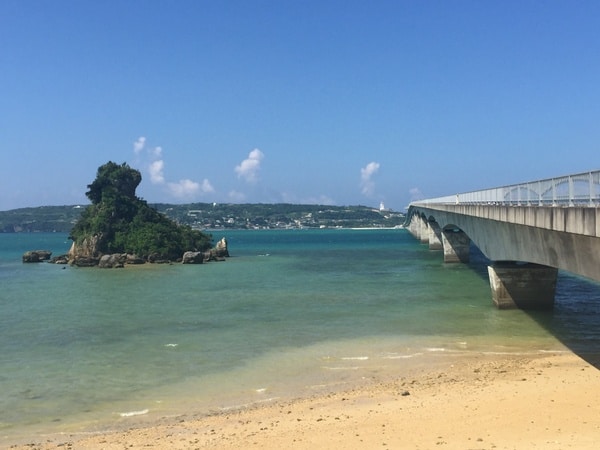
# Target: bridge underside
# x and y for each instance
(525, 259)
(525, 286)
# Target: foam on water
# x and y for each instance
(413, 355)
(134, 413)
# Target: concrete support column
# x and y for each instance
(424, 231)
(410, 227)
(525, 286)
(435, 236)
(456, 246)
(414, 227)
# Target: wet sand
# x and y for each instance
(484, 402)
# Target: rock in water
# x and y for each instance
(112, 261)
(82, 261)
(192, 258)
(221, 250)
(134, 259)
(34, 256)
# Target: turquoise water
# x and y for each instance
(291, 313)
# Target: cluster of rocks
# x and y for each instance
(79, 258)
(34, 256)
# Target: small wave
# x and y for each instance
(171, 345)
(355, 358)
(436, 349)
(261, 390)
(341, 368)
(402, 356)
(134, 413)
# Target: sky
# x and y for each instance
(297, 101)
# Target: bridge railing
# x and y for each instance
(581, 189)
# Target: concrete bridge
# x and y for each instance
(528, 231)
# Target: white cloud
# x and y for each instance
(138, 145)
(188, 188)
(366, 174)
(155, 164)
(248, 168)
(184, 188)
(207, 187)
(156, 171)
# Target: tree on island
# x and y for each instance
(118, 221)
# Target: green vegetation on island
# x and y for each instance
(117, 221)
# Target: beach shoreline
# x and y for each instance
(550, 401)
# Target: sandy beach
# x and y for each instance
(549, 402)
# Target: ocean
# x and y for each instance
(292, 313)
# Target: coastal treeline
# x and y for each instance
(280, 215)
(215, 216)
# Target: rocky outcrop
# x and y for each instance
(211, 255)
(86, 254)
(83, 261)
(88, 248)
(115, 261)
(133, 259)
(61, 259)
(193, 258)
(218, 253)
(34, 256)
(221, 250)
(108, 261)
(156, 259)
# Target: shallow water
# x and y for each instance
(290, 313)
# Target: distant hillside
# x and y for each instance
(42, 218)
(214, 216)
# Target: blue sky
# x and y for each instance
(333, 102)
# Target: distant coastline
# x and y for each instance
(216, 217)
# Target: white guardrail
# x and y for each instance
(581, 189)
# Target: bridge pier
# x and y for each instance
(415, 227)
(524, 286)
(456, 246)
(435, 236)
(424, 232)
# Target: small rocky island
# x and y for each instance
(118, 228)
